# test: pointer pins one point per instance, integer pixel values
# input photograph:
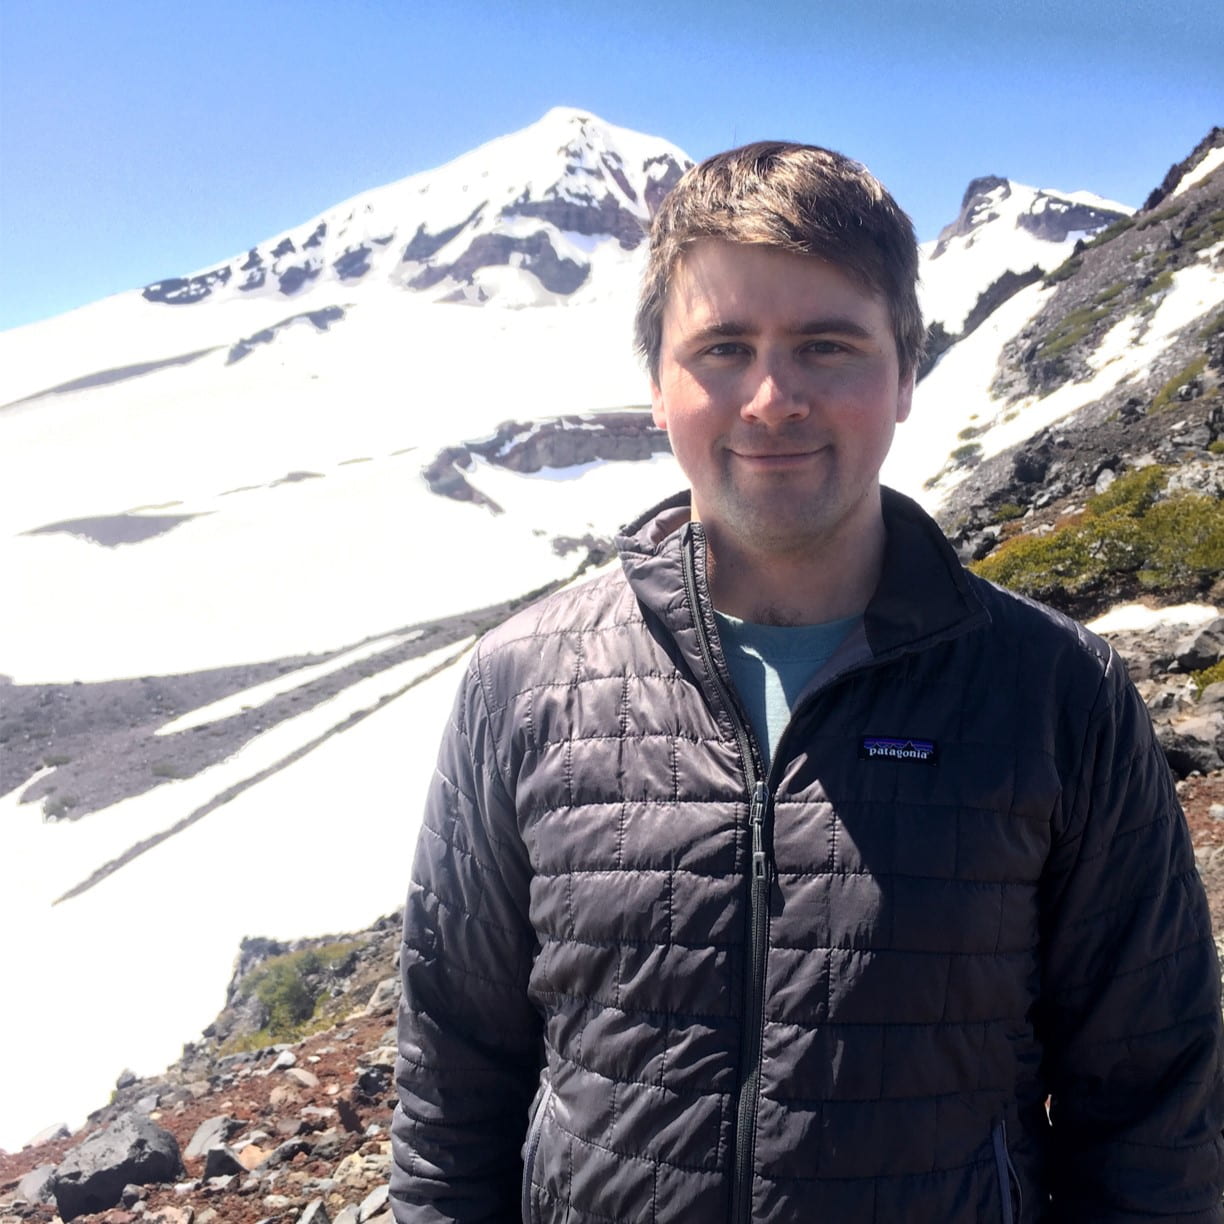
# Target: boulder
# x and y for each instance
(49, 1135)
(209, 1133)
(132, 1150)
(373, 1203)
(35, 1186)
(385, 996)
(1202, 647)
(315, 1213)
(221, 1161)
(1191, 744)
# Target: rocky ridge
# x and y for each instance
(244, 1128)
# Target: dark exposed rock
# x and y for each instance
(320, 320)
(973, 210)
(560, 443)
(1031, 466)
(182, 291)
(659, 184)
(556, 273)
(424, 245)
(1213, 140)
(295, 276)
(995, 294)
(132, 1150)
(221, 1161)
(609, 216)
(1055, 219)
(317, 236)
(283, 247)
(352, 264)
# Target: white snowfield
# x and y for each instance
(284, 513)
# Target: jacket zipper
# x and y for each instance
(754, 1009)
(531, 1147)
(1013, 1206)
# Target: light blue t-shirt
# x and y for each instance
(772, 664)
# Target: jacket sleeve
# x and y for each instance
(1130, 1010)
(469, 1040)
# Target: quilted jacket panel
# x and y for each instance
(950, 940)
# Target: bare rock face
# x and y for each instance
(131, 1151)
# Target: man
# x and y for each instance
(790, 872)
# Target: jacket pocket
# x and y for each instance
(532, 1146)
(1011, 1196)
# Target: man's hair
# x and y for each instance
(792, 197)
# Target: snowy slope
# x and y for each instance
(551, 214)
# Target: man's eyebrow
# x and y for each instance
(839, 325)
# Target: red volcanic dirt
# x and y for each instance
(261, 1101)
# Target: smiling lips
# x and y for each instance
(779, 458)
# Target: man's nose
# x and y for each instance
(778, 394)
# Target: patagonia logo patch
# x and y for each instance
(893, 748)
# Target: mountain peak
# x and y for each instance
(521, 220)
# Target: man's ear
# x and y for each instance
(657, 411)
(905, 397)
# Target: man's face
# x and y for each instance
(779, 387)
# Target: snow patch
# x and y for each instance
(1140, 616)
(1207, 165)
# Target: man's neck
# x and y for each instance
(811, 586)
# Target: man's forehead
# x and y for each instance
(719, 283)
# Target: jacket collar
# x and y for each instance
(924, 595)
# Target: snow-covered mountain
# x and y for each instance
(1003, 227)
(254, 518)
(524, 219)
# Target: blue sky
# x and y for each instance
(141, 139)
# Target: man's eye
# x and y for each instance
(727, 348)
(825, 346)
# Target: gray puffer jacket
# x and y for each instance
(840, 993)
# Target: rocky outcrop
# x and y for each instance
(1054, 219)
(1213, 140)
(132, 1151)
(560, 442)
(287, 1132)
(320, 320)
(975, 209)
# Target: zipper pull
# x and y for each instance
(757, 817)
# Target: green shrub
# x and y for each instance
(1216, 447)
(967, 454)
(1071, 330)
(1164, 214)
(1007, 511)
(1111, 231)
(1125, 541)
(1134, 492)
(1167, 394)
(295, 1004)
(1213, 327)
(1065, 270)
(1209, 675)
(1205, 233)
